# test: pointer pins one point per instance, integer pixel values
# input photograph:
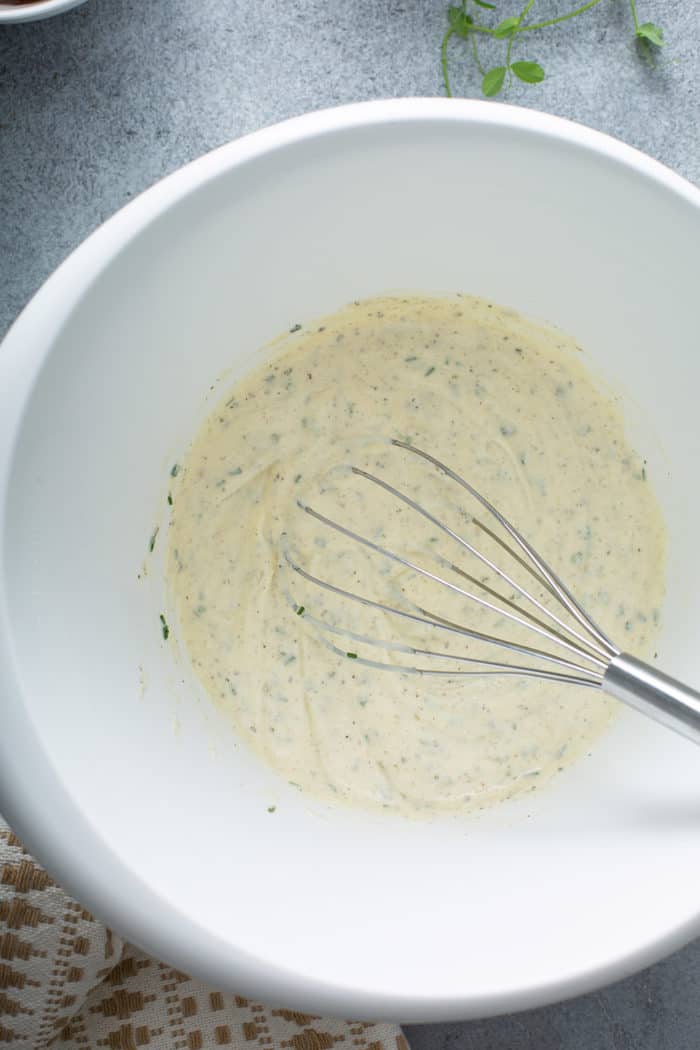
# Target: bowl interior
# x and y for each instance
(329, 908)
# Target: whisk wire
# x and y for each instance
(466, 632)
(392, 490)
(562, 592)
(495, 669)
(544, 632)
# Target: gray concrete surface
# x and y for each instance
(97, 104)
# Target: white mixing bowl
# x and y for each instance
(130, 787)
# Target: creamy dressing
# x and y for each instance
(508, 405)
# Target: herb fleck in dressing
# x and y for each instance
(511, 407)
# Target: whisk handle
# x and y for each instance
(654, 694)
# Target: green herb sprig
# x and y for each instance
(464, 24)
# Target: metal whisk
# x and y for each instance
(583, 654)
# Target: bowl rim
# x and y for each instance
(108, 886)
(33, 12)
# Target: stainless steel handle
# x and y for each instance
(654, 694)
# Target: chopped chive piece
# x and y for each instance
(170, 500)
(164, 627)
(430, 371)
(271, 809)
(152, 541)
(174, 470)
(300, 610)
(351, 656)
(295, 328)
